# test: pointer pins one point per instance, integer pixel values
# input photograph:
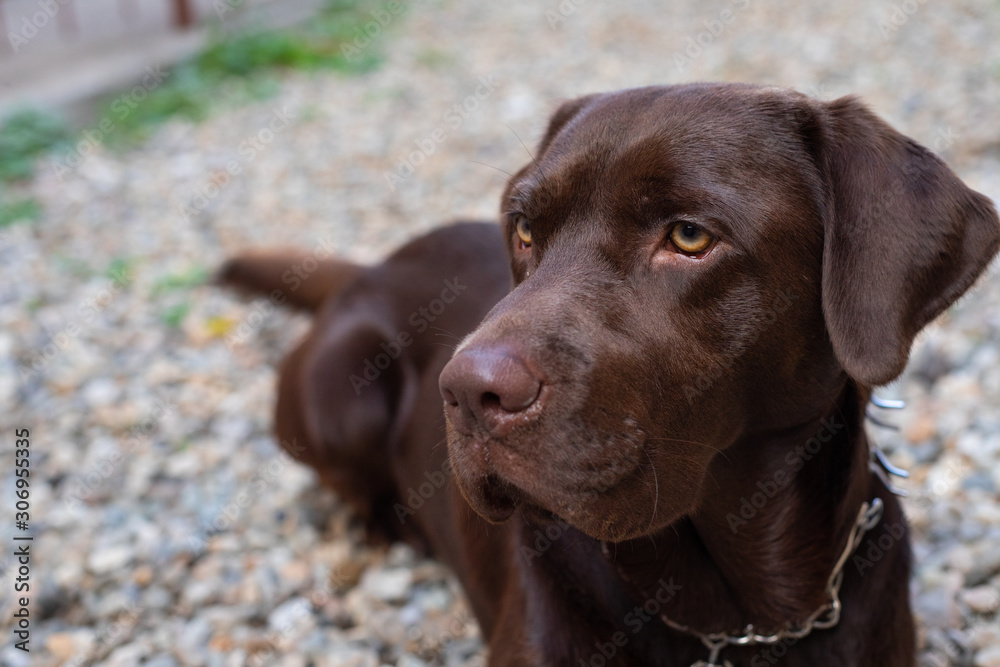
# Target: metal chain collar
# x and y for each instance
(823, 618)
(828, 615)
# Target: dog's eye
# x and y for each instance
(690, 239)
(523, 227)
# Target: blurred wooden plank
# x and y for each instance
(183, 15)
(3, 30)
(128, 12)
(66, 20)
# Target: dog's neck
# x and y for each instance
(776, 515)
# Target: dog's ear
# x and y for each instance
(349, 391)
(356, 389)
(903, 239)
(562, 116)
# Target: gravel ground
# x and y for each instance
(168, 528)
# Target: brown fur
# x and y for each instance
(670, 389)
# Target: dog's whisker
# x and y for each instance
(509, 181)
(656, 485)
(526, 150)
(445, 332)
(485, 164)
(695, 442)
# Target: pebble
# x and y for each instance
(982, 599)
(192, 641)
(407, 660)
(190, 530)
(937, 608)
(127, 655)
(108, 559)
(390, 585)
(61, 645)
(920, 429)
(987, 563)
(290, 616)
(988, 657)
(349, 656)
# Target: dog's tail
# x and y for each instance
(292, 276)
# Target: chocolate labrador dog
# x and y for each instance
(655, 447)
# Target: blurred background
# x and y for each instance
(143, 141)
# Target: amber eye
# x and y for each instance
(690, 239)
(523, 228)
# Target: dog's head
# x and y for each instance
(692, 264)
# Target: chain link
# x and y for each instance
(827, 616)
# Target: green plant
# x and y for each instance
(179, 281)
(234, 67)
(241, 66)
(74, 266)
(24, 135)
(120, 270)
(22, 210)
(174, 315)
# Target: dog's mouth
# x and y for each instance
(495, 499)
(486, 491)
(498, 478)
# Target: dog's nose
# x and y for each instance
(485, 389)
